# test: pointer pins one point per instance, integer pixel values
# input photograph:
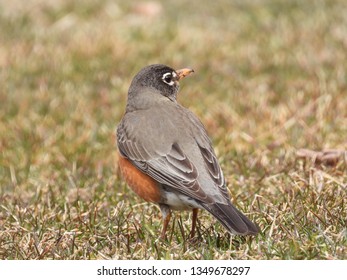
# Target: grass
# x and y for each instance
(270, 79)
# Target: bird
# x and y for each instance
(166, 156)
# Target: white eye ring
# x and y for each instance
(167, 78)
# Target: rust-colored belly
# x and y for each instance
(143, 185)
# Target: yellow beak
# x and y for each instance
(183, 73)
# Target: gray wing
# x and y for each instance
(166, 158)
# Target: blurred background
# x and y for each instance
(270, 79)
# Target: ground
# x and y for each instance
(270, 79)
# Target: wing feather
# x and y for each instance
(174, 169)
(168, 163)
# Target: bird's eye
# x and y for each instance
(167, 78)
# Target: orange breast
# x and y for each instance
(143, 185)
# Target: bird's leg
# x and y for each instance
(166, 212)
(165, 225)
(194, 219)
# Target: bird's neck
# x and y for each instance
(146, 100)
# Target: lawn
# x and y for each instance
(270, 80)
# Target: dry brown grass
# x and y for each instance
(270, 80)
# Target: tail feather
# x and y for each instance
(232, 219)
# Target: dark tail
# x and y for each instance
(232, 219)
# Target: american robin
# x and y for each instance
(166, 156)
